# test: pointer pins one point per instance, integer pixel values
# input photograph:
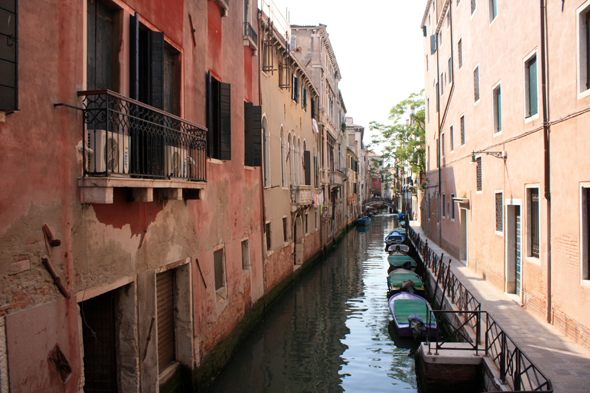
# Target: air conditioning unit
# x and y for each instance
(108, 152)
(176, 162)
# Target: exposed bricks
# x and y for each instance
(571, 328)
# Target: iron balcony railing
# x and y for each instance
(249, 32)
(515, 368)
(124, 137)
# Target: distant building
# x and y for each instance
(508, 170)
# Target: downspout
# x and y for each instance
(438, 147)
(547, 152)
(262, 201)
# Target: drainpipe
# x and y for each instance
(438, 147)
(547, 151)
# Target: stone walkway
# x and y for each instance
(560, 359)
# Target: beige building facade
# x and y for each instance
(506, 191)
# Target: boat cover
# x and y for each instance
(400, 259)
(396, 278)
(404, 308)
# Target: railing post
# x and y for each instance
(477, 332)
(517, 379)
(503, 356)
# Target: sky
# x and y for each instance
(378, 46)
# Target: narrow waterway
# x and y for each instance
(331, 332)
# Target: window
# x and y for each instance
(295, 89)
(493, 10)
(452, 207)
(497, 97)
(442, 144)
(452, 138)
(268, 237)
(584, 48)
(285, 237)
(444, 202)
(450, 70)
(245, 254)
(533, 222)
(428, 110)
(9, 56)
(460, 52)
(531, 92)
(283, 160)
(476, 84)
(585, 232)
(499, 212)
(306, 223)
(478, 173)
(253, 139)
(473, 6)
(426, 62)
(219, 267)
(437, 98)
(304, 98)
(218, 118)
(99, 60)
(462, 121)
(442, 84)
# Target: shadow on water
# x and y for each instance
(331, 332)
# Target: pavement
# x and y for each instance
(563, 361)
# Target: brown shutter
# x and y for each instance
(307, 164)
(225, 120)
(8, 55)
(165, 310)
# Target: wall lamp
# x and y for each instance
(498, 154)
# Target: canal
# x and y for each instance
(332, 331)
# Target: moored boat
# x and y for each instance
(363, 221)
(397, 261)
(412, 316)
(403, 280)
(394, 237)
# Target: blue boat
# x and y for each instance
(363, 221)
(395, 237)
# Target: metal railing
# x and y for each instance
(515, 368)
(124, 137)
(249, 32)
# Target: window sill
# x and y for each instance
(584, 94)
(536, 261)
(585, 283)
(531, 118)
(167, 373)
(501, 234)
(221, 295)
(101, 189)
(215, 161)
(497, 133)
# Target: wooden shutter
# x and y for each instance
(157, 69)
(307, 163)
(253, 135)
(134, 57)
(210, 131)
(315, 170)
(225, 121)
(165, 310)
(533, 103)
(8, 55)
(433, 44)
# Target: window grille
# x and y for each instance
(479, 185)
(499, 213)
(476, 84)
(462, 130)
(534, 212)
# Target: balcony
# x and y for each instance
(128, 144)
(335, 177)
(250, 37)
(300, 196)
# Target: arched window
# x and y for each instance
(283, 160)
(266, 152)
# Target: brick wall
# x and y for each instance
(572, 328)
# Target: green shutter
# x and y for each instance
(450, 70)
(432, 44)
(533, 99)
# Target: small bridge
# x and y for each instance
(379, 201)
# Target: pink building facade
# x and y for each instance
(507, 169)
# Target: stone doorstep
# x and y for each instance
(455, 353)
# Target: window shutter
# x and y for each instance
(315, 170)
(313, 108)
(478, 174)
(8, 55)
(433, 44)
(134, 58)
(165, 309)
(157, 69)
(253, 135)
(248, 133)
(225, 120)
(437, 98)
(476, 84)
(499, 105)
(450, 70)
(210, 134)
(307, 163)
(533, 87)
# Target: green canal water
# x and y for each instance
(332, 331)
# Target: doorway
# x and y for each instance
(513, 249)
(463, 218)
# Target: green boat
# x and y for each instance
(398, 278)
(397, 261)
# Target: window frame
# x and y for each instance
(462, 129)
(530, 256)
(478, 175)
(220, 291)
(497, 108)
(528, 116)
(246, 263)
(452, 138)
(583, 53)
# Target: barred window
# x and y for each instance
(499, 213)
(460, 52)
(462, 130)
(533, 235)
(476, 84)
(479, 185)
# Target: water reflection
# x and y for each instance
(331, 332)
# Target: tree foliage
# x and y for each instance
(403, 140)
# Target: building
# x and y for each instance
(291, 143)
(312, 48)
(507, 164)
(130, 217)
